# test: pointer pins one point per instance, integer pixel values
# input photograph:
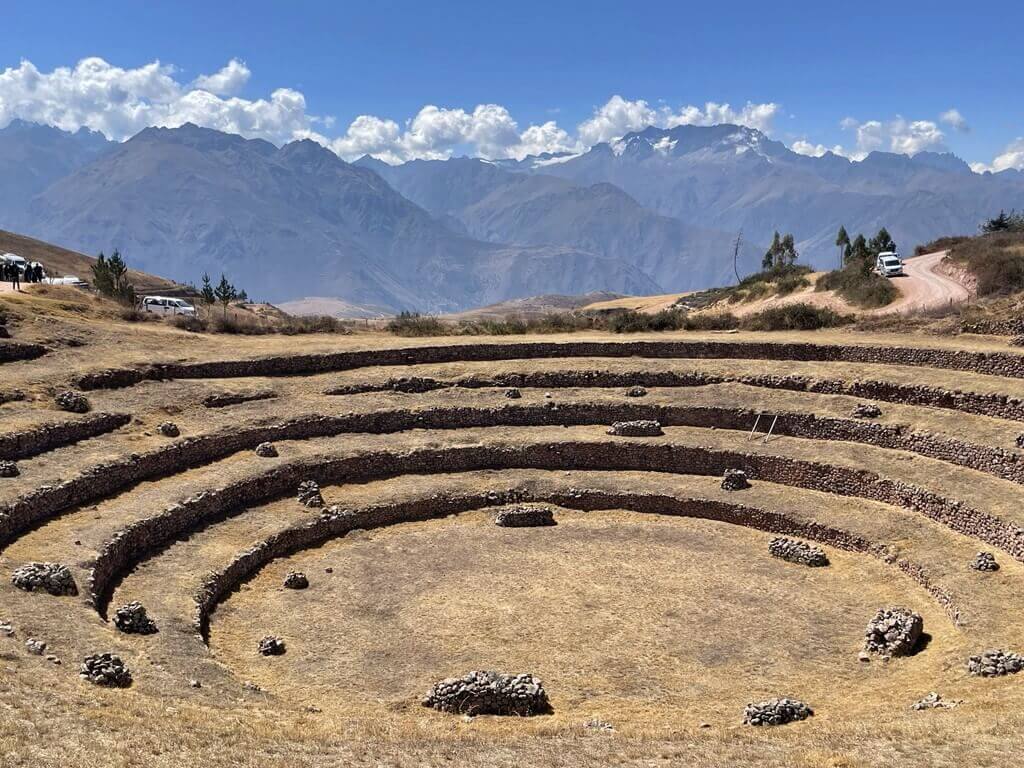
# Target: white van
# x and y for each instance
(165, 305)
(889, 264)
(16, 260)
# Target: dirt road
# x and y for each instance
(924, 288)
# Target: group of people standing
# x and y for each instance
(10, 273)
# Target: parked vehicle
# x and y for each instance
(16, 260)
(889, 264)
(165, 305)
(74, 282)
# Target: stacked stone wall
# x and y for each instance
(46, 437)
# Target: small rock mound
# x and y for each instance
(296, 580)
(524, 517)
(636, 391)
(995, 663)
(107, 670)
(35, 647)
(799, 552)
(413, 384)
(168, 429)
(935, 701)
(75, 402)
(132, 619)
(735, 480)
(776, 712)
(1020, 441)
(266, 450)
(8, 469)
(867, 411)
(985, 561)
(512, 393)
(489, 693)
(309, 494)
(47, 577)
(893, 632)
(271, 646)
(639, 428)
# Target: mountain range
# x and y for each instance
(655, 211)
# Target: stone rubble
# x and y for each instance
(776, 712)
(107, 670)
(799, 552)
(309, 494)
(636, 391)
(266, 450)
(35, 647)
(867, 411)
(985, 561)
(6, 629)
(935, 701)
(47, 577)
(995, 663)
(168, 429)
(132, 619)
(735, 480)
(413, 384)
(271, 646)
(296, 580)
(513, 393)
(8, 469)
(489, 693)
(638, 428)
(75, 402)
(524, 517)
(893, 632)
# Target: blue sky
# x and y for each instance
(890, 70)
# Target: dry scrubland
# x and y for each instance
(662, 626)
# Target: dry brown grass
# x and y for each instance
(653, 624)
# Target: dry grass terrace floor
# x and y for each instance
(663, 627)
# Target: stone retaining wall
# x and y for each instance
(142, 537)
(992, 363)
(11, 351)
(336, 522)
(104, 479)
(46, 437)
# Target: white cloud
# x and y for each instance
(759, 116)
(1011, 157)
(227, 82)
(898, 135)
(616, 117)
(804, 147)
(955, 120)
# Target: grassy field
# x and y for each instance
(650, 632)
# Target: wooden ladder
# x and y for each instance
(753, 430)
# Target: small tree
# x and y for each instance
(1000, 223)
(843, 243)
(110, 278)
(787, 255)
(206, 294)
(771, 255)
(881, 242)
(101, 280)
(225, 293)
(736, 254)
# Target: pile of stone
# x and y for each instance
(735, 480)
(46, 577)
(8, 469)
(6, 629)
(168, 429)
(776, 712)
(296, 580)
(133, 620)
(524, 517)
(106, 669)
(935, 701)
(266, 450)
(985, 561)
(639, 428)
(867, 411)
(1020, 441)
(309, 494)
(636, 391)
(413, 384)
(35, 647)
(512, 393)
(489, 693)
(72, 401)
(271, 646)
(799, 552)
(893, 632)
(995, 663)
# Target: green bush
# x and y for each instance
(712, 321)
(415, 324)
(859, 285)
(794, 317)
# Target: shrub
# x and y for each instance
(415, 324)
(997, 260)
(637, 322)
(712, 321)
(794, 317)
(859, 285)
(188, 323)
(940, 244)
